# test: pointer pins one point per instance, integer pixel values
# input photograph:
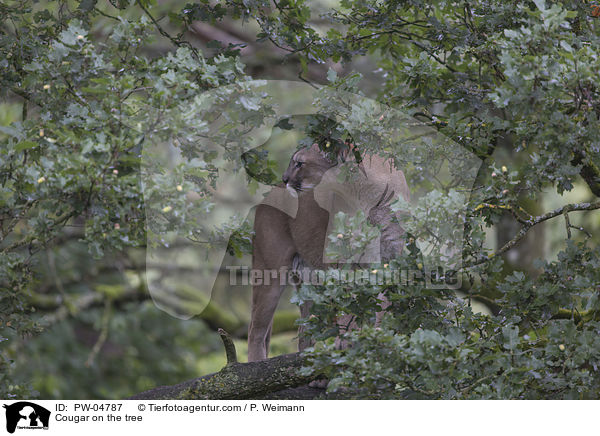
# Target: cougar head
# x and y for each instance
(306, 169)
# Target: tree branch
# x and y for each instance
(176, 41)
(271, 378)
(531, 223)
(214, 315)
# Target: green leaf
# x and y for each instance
(249, 103)
(87, 5)
(25, 145)
(541, 4)
(566, 46)
(284, 124)
(331, 76)
(511, 336)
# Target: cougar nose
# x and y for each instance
(285, 179)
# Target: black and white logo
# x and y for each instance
(26, 415)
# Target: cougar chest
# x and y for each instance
(309, 230)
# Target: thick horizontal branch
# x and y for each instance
(584, 316)
(271, 378)
(214, 315)
(276, 378)
(58, 309)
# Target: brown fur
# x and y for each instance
(294, 223)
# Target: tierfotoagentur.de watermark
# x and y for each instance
(245, 276)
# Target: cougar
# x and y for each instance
(292, 223)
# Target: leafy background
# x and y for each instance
(513, 82)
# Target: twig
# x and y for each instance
(103, 334)
(163, 32)
(306, 80)
(229, 347)
(568, 224)
(477, 382)
(105, 14)
(514, 213)
(531, 223)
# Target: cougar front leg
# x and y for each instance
(391, 242)
(264, 303)
(392, 233)
(272, 254)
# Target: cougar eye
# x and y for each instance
(299, 164)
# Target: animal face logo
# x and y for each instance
(24, 414)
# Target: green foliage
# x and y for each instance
(73, 159)
(135, 352)
(488, 74)
(431, 345)
(82, 105)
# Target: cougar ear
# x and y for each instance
(324, 153)
(342, 154)
(349, 152)
(339, 157)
